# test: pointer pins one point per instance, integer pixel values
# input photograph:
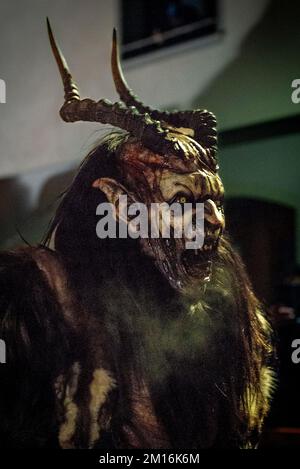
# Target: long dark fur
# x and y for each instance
(39, 347)
(200, 366)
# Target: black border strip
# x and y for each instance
(260, 131)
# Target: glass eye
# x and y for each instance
(182, 199)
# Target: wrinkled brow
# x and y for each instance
(200, 183)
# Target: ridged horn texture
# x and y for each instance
(130, 114)
(70, 87)
(202, 122)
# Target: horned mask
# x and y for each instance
(168, 157)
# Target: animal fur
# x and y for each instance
(102, 352)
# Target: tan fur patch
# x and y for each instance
(68, 428)
(260, 407)
(100, 387)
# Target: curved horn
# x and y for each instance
(202, 122)
(70, 87)
(125, 93)
(142, 126)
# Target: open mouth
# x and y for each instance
(192, 264)
(198, 261)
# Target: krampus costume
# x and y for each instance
(133, 343)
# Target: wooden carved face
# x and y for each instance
(150, 178)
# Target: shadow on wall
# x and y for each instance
(54, 188)
(20, 220)
(14, 207)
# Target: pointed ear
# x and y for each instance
(113, 191)
(111, 188)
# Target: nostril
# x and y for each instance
(213, 215)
